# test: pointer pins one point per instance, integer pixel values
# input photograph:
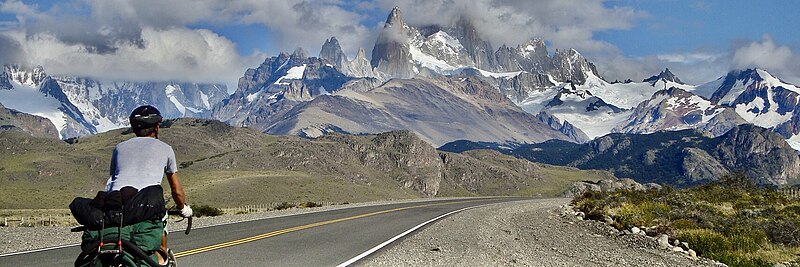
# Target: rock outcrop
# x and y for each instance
(34, 125)
(608, 185)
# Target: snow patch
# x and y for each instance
(294, 73)
(252, 97)
(771, 81)
(28, 99)
(498, 75)
(794, 142)
(204, 98)
(322, 91)
(431, 62)
(84, 101)
(170, 90)
(536, 100)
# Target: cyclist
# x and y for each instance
(143, 161)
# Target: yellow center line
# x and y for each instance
(302, 227)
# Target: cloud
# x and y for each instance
(306, 24)
(765, 54)
(11, 51)
(692, 67)
(513, 22)
(172, 54)
(20, 9)
(689, 58)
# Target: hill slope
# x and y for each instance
(230, 166)
(679, 158)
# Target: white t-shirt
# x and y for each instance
(140, 162)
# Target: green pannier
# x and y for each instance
(146, 235)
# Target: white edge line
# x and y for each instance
(37, 250)
(256, 219)
(376, 248)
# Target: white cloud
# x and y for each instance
(172, 54)
(515, 21)
(765, 54)
(20, 9)
(689, 58)
(692, 68)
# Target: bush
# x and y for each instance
(704, 241)
(732, 221)
(783, 232)
(309, 204)
(206, 210)
(284, 205)
(683, 224)
(739, 260)
(642, 214)
(749, 240)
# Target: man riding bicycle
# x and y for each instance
(142, 162)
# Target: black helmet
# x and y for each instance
(145, 117)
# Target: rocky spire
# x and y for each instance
(332, 52)
(360, 66)
(480, 51)
(300, 53)
(665, 75)
(395, 18)
(391, 53)
(570, 65)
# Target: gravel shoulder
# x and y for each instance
(540, 232)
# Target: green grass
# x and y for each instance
(731, 221)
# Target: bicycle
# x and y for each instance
(119, 251)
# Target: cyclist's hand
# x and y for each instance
(186, 211)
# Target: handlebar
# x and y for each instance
(188, 222)
(170, 212)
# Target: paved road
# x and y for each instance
(326, 238)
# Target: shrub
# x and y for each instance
(206, 210)
(642, 214)
(783, 232)
(284, 205)
(739, 260)
(747, 239)
(704, 241)
(309, 204)
(683, 224)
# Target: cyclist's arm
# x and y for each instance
(177, 190)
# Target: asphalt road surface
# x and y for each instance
(328, 238)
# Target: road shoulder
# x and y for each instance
(525, 233)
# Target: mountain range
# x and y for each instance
(442, 82)
(80, 106)
(678, 158)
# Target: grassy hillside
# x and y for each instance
(227, 167)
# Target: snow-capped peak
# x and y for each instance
(771, 81)
(29, 77)
(395, 18)
(665, 76)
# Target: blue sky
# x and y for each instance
(216, 40)
(674, 26)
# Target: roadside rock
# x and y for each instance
(608, 185)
